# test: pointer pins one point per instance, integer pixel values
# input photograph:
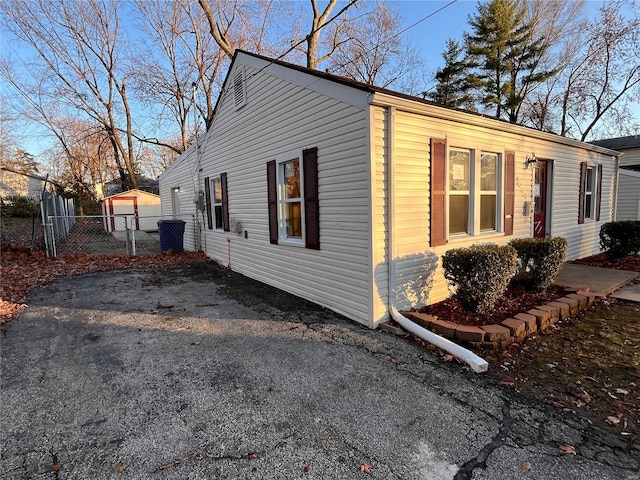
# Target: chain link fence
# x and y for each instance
(117, 234)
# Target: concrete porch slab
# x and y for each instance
(596, 279)
(630, 292)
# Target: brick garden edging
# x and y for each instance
(511, 330)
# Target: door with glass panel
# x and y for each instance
(540, 187)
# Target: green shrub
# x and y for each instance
(619, 239)
(20, 207)
(539, 261)
(480, 273)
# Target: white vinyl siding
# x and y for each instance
(628, 207)
(181, 174)
(419, 272)
(281, 117)
(380, 158)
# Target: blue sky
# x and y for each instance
(431, 35)
(438, 20)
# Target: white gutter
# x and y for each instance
(476, 363)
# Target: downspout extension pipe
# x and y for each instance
(477, 364)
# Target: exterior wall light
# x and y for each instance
(532, 160)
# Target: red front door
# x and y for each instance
(540, 199)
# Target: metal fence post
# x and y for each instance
(126, 235)
(133, 236)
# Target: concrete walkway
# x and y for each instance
(597, 279)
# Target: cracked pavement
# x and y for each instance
(197, 372)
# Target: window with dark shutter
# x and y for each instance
(598, 191)
(272, 195)
(207, 196)
(225, 202)
(583, 185)
(509, 192)
(311, 205)
(438, 192)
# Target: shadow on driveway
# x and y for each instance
(196, 372)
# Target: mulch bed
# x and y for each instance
(515, 300)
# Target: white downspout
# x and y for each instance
(476, 363)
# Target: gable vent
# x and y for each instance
(239, 89)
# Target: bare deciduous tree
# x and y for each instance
(79, 65)
(598, 81)
(371, 50)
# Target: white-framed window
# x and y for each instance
(474, 191)
(589, 194)
(216, 188)
(290, 198)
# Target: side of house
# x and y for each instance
(459, 179)
(628, 192)
(348, 195)
(285, 172)
(17, 184)
(628, 207)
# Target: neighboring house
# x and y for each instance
(628, 192)
(113, 187)
(16, 184)
(142, 209)
(347, 195)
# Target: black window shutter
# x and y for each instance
(509, 192)
(438, 227)
(225, 202)
(598, 192)
(272, 193)
(207, 196)
(311, 204)
(583, 185)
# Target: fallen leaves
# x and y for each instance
(23, 273)
(366, 468)
(526, 466)
(176, 462)
(568, 449)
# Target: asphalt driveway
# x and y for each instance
(194, 372)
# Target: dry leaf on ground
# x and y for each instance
(366, 468)
(568, 449)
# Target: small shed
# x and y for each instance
(143, 208)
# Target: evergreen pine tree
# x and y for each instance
(505, 56)
(452, 80)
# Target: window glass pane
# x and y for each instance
(459, 170)
(488, 171)
(218, 215)
(292, 179)
(293, 219)
(587, 206)
(487, 212)
(589, 180)
(217, 191)
(458, 213)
